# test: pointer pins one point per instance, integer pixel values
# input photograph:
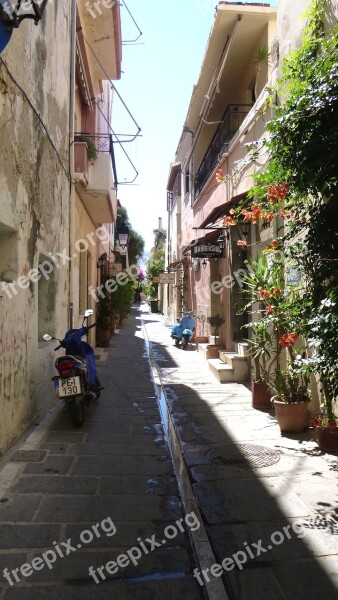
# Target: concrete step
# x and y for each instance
(239, 364)
(208, 350)
(223, 373)
(243, 348)
(228, 357)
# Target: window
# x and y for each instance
(8, 254)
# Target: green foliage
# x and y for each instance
(290, 385)
(154, 266)
(136, 241)
(91, 149)
(215, 321)
(135, 247)
(302, 156)
(116, 304)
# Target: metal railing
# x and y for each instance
(103, 143)
(233, 118)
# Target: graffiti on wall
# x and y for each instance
(12, 361)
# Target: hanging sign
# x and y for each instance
(167, 278)
(206, 251)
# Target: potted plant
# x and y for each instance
(262, 290)
(91, 149)
(103, 320)
(291, 397)
(326, 425)
(215, 321)
(261, 350)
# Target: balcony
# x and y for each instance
(95, 176)
(233, 118)
(101, 27)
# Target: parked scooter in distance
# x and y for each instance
(77, 383)
(184, 331)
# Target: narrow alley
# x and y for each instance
(132, 507)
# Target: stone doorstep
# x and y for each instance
(223, 373)
(236, 372)
(209, 350)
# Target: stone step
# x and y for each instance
(209, 350)
(239, 364)
(243, 348)
(223, 373)
(228, 357)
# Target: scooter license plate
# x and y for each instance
(70, 387)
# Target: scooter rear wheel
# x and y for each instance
(185, 341)
(77, 411)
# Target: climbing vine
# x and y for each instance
(300, 187)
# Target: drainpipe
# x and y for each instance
(71, 152)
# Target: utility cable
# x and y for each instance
(111, 83)
(37, 116)
(136, 25)
(120, 143)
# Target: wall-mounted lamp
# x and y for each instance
(244, 228)
(102, 261)
(13, 13)
(222, 240)
(123, 236)
(204, 263)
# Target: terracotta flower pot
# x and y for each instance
(292, 417)
(261, 395)
(327, 439)
(103, 337)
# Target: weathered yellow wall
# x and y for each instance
(34, 192)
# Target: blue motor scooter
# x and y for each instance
(77, 383)
(185, 331)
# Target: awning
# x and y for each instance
(174, 266)
(208, 238)
(215, 218)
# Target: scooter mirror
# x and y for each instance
(47, 337)
(89, 312)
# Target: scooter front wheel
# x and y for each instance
(76, 411)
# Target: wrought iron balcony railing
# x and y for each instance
(98, 143)
(233, 118)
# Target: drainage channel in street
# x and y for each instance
(202, 548)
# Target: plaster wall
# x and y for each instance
(34, 213)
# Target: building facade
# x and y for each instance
(224, 114)
(51, 88)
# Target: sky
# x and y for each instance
(159, 71)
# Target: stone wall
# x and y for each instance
(34, 213)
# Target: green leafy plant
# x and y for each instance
(300, 186)
(291, 385)
(215, 321)
(91, 149)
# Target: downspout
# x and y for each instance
(71, 152)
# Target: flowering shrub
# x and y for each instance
(323, 421)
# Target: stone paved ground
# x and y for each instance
(279, 522)
(114, 473)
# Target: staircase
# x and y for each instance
(231, 366)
